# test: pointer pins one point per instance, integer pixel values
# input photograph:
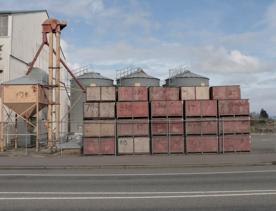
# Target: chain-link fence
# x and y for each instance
(175, 132)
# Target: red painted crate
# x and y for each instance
(132, 109)
(160, 144)
(235, 143)
(200, 108)
(201, 144)
(133, 127)
(197, 126)
(233, 107)
(176, 144)
(225, 92)
(167, 126)
(133, 93)
(234, 125)
(164, 93)
(166, 108)
(96, 146)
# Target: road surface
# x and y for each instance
(228, 188)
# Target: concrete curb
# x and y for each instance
(125, 166)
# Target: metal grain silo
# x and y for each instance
(137, 77)
(187, 78)
(78, 97)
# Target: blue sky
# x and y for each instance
(230, 41)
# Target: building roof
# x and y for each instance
(36, 76)
(92, 75)
(11, 12)
(188, 74)
(139, 73)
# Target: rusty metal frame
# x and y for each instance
(3, 143)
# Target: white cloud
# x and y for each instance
(221, 60)
(210, 59)
(244, 60)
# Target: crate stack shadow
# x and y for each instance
(167, 127)
(133, 120)
(99, 129)
(201, 122)
(234, 119)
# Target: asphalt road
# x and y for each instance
(228, 188)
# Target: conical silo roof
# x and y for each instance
(93, 75)
(188, 74)
(187, 78)
(138, 78)
(36, 76)
(139, 73)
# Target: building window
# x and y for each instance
(4, 25)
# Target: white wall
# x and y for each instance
(27, 36)
(5, 55)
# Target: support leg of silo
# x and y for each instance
(57, 88)
(1, 126)
(50, 82)
(37, 124)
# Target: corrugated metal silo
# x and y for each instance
(138, 78)
(187, 78)
(86, 79)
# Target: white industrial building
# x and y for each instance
(20, 38)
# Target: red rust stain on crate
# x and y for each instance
(167, 126)
(201, 126)
(225, 92)
(91, 146)
(233, 107)
(134, 93)
(202, 144)
(200, 108)
(135, 127)
(164, 93)
(234, 125)
(160, 144)
(235, 143)
(166, 108)
(132, 109)
(176, 144)
(94, 146)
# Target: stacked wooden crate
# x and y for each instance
(141, 120)
(132, 120)
(99, 129)
(167, 128)
(234, 120)
(201, 125)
